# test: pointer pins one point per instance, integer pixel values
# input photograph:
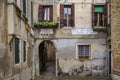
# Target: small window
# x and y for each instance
(24, 51)
(17, 53)
(99, 15)
(84, 51)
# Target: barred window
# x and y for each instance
(83, 51)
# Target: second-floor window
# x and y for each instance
(99, 15)
(45, 13)
(67, 15)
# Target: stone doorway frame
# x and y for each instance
(52, 41)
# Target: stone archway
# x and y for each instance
(47, 57)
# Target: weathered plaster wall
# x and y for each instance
(4, 56)
(115, 37)
(17, 27)
(66, 56)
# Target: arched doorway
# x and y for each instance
(47, 57)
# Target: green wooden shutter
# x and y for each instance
(99, 9)
(24, 53)
(17, 57)
(24, 7)
(93, 15)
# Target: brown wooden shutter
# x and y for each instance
(61, 15)
(40, 13)
(51, 13)
(73, 15)
(93, 15)
(105, 14)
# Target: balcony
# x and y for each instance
(53, 25)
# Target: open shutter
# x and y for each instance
(93, 15)
(51, 13)
(40, 13)
(73, 15)
(61, 15)
(105, 14)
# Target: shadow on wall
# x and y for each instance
(4, 62)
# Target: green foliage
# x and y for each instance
(46, 24)
(100, 29)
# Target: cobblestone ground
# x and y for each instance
(50, 77)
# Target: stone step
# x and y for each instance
(51, 77)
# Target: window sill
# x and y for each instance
(100, 29)
(84, 58)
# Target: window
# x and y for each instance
(66, 15)
(17, 53)
(24, 7)
(45, 13)
(99, 15)
(83, 51)
(24, 51)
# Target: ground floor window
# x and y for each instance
(83, 51)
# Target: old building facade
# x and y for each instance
(16, 40)
(78, 45)
(115, 38)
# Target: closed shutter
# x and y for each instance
(51, 13)
(17, 57)
(40, 13)
(93, 15)
(24, 53)
(105, 13)
(61, 15)
(73, 15)
(24, 7)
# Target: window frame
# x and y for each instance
(61, 14)
(44, 8)
(81, 57)
(99, 17)
(40, 13)
(67, 16)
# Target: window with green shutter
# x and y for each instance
(17, 56)
(24, 51)
(99, 15)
